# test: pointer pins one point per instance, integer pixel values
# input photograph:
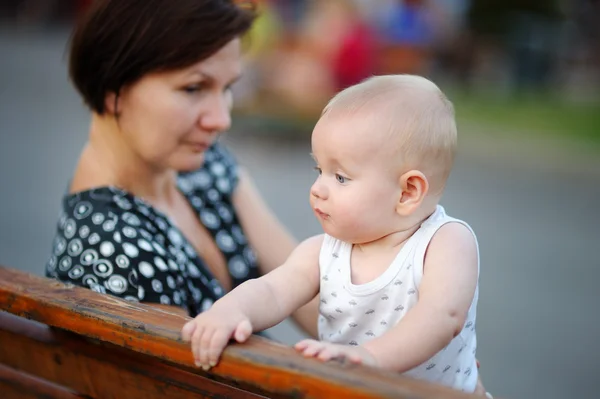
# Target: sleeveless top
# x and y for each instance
(354, 314)
(113, 242)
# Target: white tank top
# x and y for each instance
(354, 314)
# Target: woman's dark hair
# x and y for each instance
(119, 41)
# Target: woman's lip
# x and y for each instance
(199, 146)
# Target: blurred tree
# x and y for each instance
(527, 32)
(495, 17)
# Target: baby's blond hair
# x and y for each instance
(419, 118)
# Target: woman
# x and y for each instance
(157, 210)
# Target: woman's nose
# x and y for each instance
(218, 117)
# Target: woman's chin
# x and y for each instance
(189, 163)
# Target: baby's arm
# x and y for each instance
(256, 304)
(449, 280)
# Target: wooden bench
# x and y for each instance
(62, 341)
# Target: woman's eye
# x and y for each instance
(340, 178)
(192, 89)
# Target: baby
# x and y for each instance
(396, 276)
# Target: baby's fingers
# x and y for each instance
(300, 346)
(218, 343)
(328, 353)
(354, 358)
(242, 331)
(205, 348)
(188, 330)
(195, 340)
(313, 349)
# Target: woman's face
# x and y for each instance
(169, 119)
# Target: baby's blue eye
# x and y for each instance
(319, 171)
(340, 178)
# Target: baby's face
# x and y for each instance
(355, 194)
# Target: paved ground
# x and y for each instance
(535, 213)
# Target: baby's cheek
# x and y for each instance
(356, 213)
(352, 223)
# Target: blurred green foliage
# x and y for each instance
(532, 114)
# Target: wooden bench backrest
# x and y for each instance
(62, 341)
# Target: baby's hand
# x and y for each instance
(326, 351)
(210, 332)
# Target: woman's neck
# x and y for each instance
(109, 160)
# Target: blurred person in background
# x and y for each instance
(157, 210)
(332, 48)
(405, 35)
(300, 72)
(292, 12)
(354, 59)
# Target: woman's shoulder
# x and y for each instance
(101, 204)
(102, 217)
(110, 241)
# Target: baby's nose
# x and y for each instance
(319, 190)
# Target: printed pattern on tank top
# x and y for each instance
(354, 314)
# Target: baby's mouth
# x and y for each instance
(321, 214)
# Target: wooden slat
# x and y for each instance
(259, 365)
(16, 384)
(97, 369)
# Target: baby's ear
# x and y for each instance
(414, 187)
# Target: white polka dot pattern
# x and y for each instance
(115, 243)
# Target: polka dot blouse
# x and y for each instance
(113, 242)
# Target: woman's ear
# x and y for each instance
(111, 103)
(414, 187)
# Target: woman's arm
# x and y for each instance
(271, 241)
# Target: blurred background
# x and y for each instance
(524, 77)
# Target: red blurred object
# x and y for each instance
(354, 62)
